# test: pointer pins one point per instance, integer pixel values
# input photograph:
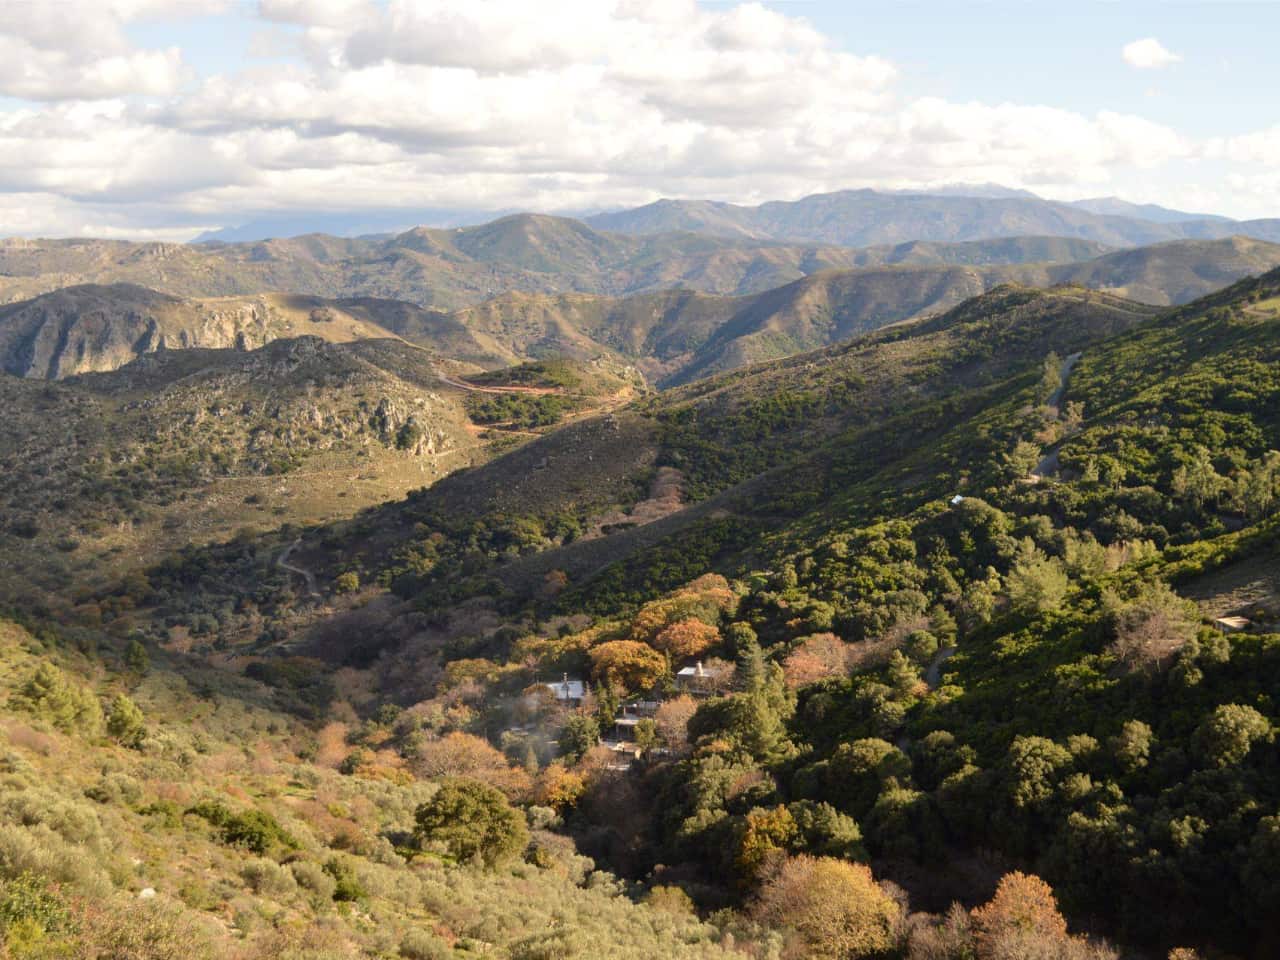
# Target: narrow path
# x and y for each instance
(477, 388)
(1064, 373)
(933, 675)
(283, 563)
(1048, 464)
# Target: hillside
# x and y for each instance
(857, 218)
(678, 336)
(708, 433)
(157, 807)
(957, 555)
(109, 470)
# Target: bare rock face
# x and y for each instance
(93, 328)
(406, 423)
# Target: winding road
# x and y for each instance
(283, 563)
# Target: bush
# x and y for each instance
(311, 876)
(268, 878)
(346, 885)
(424, 945)
(143, 930)
(253, 829)
(125, 722)
(26, 901)
(118, 788)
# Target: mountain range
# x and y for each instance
(866, 217)
(447, 269)
(673, 335)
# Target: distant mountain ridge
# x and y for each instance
(452, 268)
(868, 217)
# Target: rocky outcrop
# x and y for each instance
(92, 328)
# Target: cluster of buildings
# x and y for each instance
(698, 680)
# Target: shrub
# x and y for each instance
(252, 829)
(311, 876)
(27, 901)
(424, 945)
(346, 885)
(38, 850)
(143, 930)
(670, 900)
(125, 722)
(268, 878)
(118, 788)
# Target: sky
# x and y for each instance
(164, 118)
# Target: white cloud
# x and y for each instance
(561, 104)
(78, 49)
(1148, 54)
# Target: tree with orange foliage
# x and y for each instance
(706, 599)
(463, 755)
(1022, 919)
(817, 657)
(835, 906)
(627, 664)
(686, 639)
(559, 788)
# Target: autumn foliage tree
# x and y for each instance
(558, 787)
(686, 639)
(766, 834)
(835, 906)
(463, 755)
(627, 664)
(1021, 920)
(817, 657)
